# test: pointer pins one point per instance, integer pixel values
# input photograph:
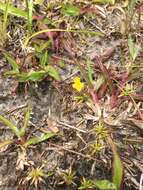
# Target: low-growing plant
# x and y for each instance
(3, 24)
(13, 10)
(69, 176)
(44, 70)
(36, 176)
(86, 184)
(20, 133)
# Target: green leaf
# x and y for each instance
(53, 72)
(12, 62)
(112, 2)
(31, 76)
(6, 14)
(70, 10)
(13, 72)
(26, 120)
(44, 59)
(36, 140)
(133, 49)
(29, 4)
(13, 10)
(98, 83)
(105, 185)
(10, 125)
(117, 171)
(90, 71)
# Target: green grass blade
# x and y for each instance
(6, 14)
(90, 71)
(12, 62)
(10, 125)
(112, 2)
(26, 121)
(13, 10)
(36, 140)
(118, 170)
(29, 5)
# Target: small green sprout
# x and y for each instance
(86, 184)
(100, 130)
(69, 176)
(96, 147)
(36, 176)
(32, 75)
(20, 132)
(127, 90)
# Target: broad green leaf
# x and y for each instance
(70, 10)
(36, 140)
(26, 120)
(12, 62)
(133, 49)
(13, 10)
(105, 185)
(112, 2)
(31, 76)
(36, 75)
(10, 125)
(52, 72)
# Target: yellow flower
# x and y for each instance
(77, 84)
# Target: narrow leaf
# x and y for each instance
(44, 59)
(29, 4)
(12, 62)
(90, 71)
(53, 72)
(10, 125)
(133, 49)
(112, 2)
(13, 10)
(118, 171)
(36, 140)
(26, 120)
